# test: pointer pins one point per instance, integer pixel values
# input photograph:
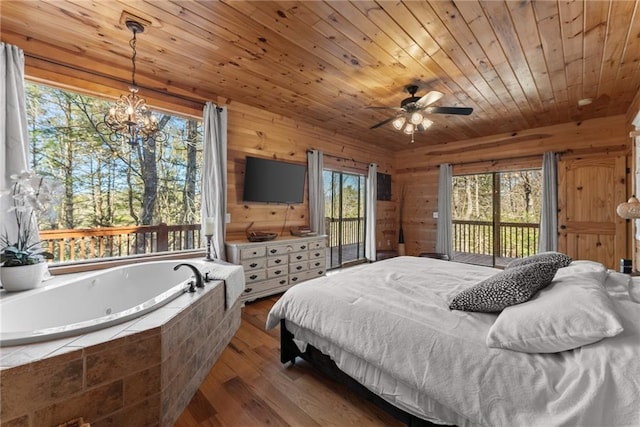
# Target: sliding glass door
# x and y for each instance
(496, 216)
(344, 195)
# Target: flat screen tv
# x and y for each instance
(273, 181)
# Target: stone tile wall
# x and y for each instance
(145, 376)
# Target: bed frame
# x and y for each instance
(323, 363)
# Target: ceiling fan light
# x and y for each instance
(426, 123)
(409, 128)
(416, 118)
(398, 123)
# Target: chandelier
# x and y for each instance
(129, 119)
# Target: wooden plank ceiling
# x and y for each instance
(519, 64)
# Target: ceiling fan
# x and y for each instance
(411, 116)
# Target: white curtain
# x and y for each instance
(444, 237)
(214, 175)
(14, 136)
(549, 215)
(315, 166)
(370, 220)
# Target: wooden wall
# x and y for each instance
(417, 169)
(259, 133)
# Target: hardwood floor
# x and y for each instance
(248, 386)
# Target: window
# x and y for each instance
(118, 200)
(496, 216)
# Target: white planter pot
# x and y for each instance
(23, 277)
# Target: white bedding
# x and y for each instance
(388, 325)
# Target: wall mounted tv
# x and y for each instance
(273, 181)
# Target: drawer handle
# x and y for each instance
(282, 282)
(253, 265)
(320, 273)
(303, 247)
(248, 290)
(278, 271)
(299, 257)
(294, 279)
(255, 253)
(317, 254)
(273, 251)
(253, 276)
(299, 267)
(317, 264)
(278, 261)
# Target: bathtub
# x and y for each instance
(89, 302)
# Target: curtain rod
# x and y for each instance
(344, 158)
(112, 78)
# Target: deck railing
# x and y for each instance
(352, 230)
(477, 237)
(104, 242)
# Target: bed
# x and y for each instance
(568, 356)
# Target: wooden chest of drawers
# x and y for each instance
(273, 267)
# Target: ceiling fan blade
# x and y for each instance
(384, 108)
(384, 122)
(429, 99)
(464, 111)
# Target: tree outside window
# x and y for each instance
(113, 186)
(496, 216)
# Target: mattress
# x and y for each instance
(388, 326)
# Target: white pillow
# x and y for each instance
(575, 310)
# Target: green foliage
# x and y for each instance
(105, 183)
(344, 193)
(519, 196)
(11, 256)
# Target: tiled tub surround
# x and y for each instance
(139, 373)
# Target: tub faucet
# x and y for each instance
(199, 281)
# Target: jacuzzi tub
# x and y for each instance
(90, 302)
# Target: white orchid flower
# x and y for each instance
(22, 176)
(29, 193)
(33, 201)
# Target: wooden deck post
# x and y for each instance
(162, 241)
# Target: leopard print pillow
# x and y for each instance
(509, 287)
(557, 258)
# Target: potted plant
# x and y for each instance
(22, 259)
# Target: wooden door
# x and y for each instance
(589, 189)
